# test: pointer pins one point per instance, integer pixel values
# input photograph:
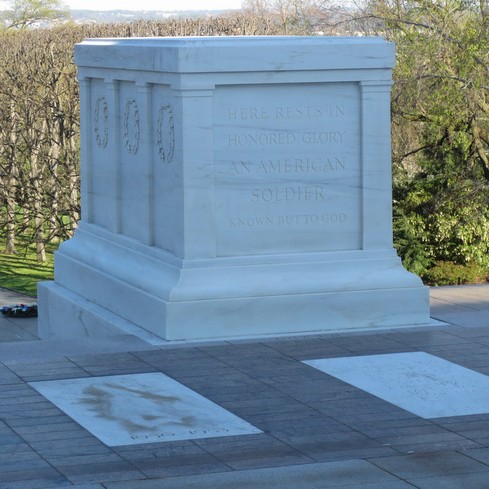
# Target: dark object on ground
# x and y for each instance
(20, 310)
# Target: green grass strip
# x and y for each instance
(21, 272)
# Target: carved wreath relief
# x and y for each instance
(101, 122)
(166, 133)
(165, 128)
(131, 127)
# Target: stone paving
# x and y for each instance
(318, 432)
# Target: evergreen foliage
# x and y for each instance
(440, 116)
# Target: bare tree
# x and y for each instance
(286, 16)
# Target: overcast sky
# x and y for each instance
(164, 5)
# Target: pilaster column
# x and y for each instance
(86, 204)
(376, 165)
(146, 161)
(113, 161)
(194, 148)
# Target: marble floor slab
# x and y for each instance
(141, 408)
(418, 382)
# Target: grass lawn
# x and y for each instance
(21, 272)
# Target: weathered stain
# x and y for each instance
(102, 401)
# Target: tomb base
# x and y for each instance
(108, 284)
(230, 187)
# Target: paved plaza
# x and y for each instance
(309, 429)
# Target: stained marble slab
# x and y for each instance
(141, 408)
(418, 382)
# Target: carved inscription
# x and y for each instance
(282, 138)
(291, 220)
(193, 433)
(286, 165)
(284, 112)
(287, 169)
(295, 166)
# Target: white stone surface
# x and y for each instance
(418, 382)
(233, 186)
(141, 408)
(287, 169)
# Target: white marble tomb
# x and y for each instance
(418, 382)
(141, 408)
(232, 186)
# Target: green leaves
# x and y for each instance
(440, 130)
(24, 13)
